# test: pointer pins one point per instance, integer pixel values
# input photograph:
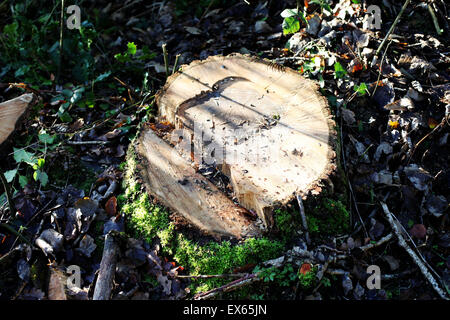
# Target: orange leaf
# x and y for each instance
(111, 206)
(306, 2)
(393, 124)
(357, 67)
(432, 123)
(305, 268)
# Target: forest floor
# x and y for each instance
(386, 206)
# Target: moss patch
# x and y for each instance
(149, 221)
(328, 217)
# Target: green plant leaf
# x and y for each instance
(131, 48)
(323, 4)
(291, 25)
(9, 175)
(23, 181)
(339, 71)
(361, 89)
(20, 155)
(103, 76)
(40, 176)
(41, 163)
(46, 138)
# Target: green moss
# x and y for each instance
(308, 280)
(150, 221)
(286, 222)
(329, 217)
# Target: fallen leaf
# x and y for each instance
(111, 206)
(305, 268)
(418, 231)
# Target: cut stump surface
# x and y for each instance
(264, 126)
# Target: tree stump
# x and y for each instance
(11, 114)
(263, 125)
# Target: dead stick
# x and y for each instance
(392, 27)
(248, 279)
(434, 18)
(378, 243)
(303, 215)
(166, 58)
(107, 269)
(175, 66)
(402, 242)
(209, 276)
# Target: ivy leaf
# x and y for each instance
(46, 138)
(290, 25)
(43, 178)
(40, 176)
(77, 95)
(20, 155)
(23, 181)
(103, 76)
(361, 89)
(9, 175)
(339, 71)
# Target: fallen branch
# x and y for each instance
(107, 270)
(412, 254)
(248, 279)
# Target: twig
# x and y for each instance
(225, 275)
(412, 254)
(61, 37)
(15, 232)
(381, 68)
(175, 66)
(81, 143)
(392, 27)
(435, 20)
(103, 286)
(425, 137)
(348, 180)
(378, 243)
(303, 215)
(206, 11)
(248, 279)
(131, 93)
(166, 58)
(12, 207)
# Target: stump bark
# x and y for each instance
(264, 126)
